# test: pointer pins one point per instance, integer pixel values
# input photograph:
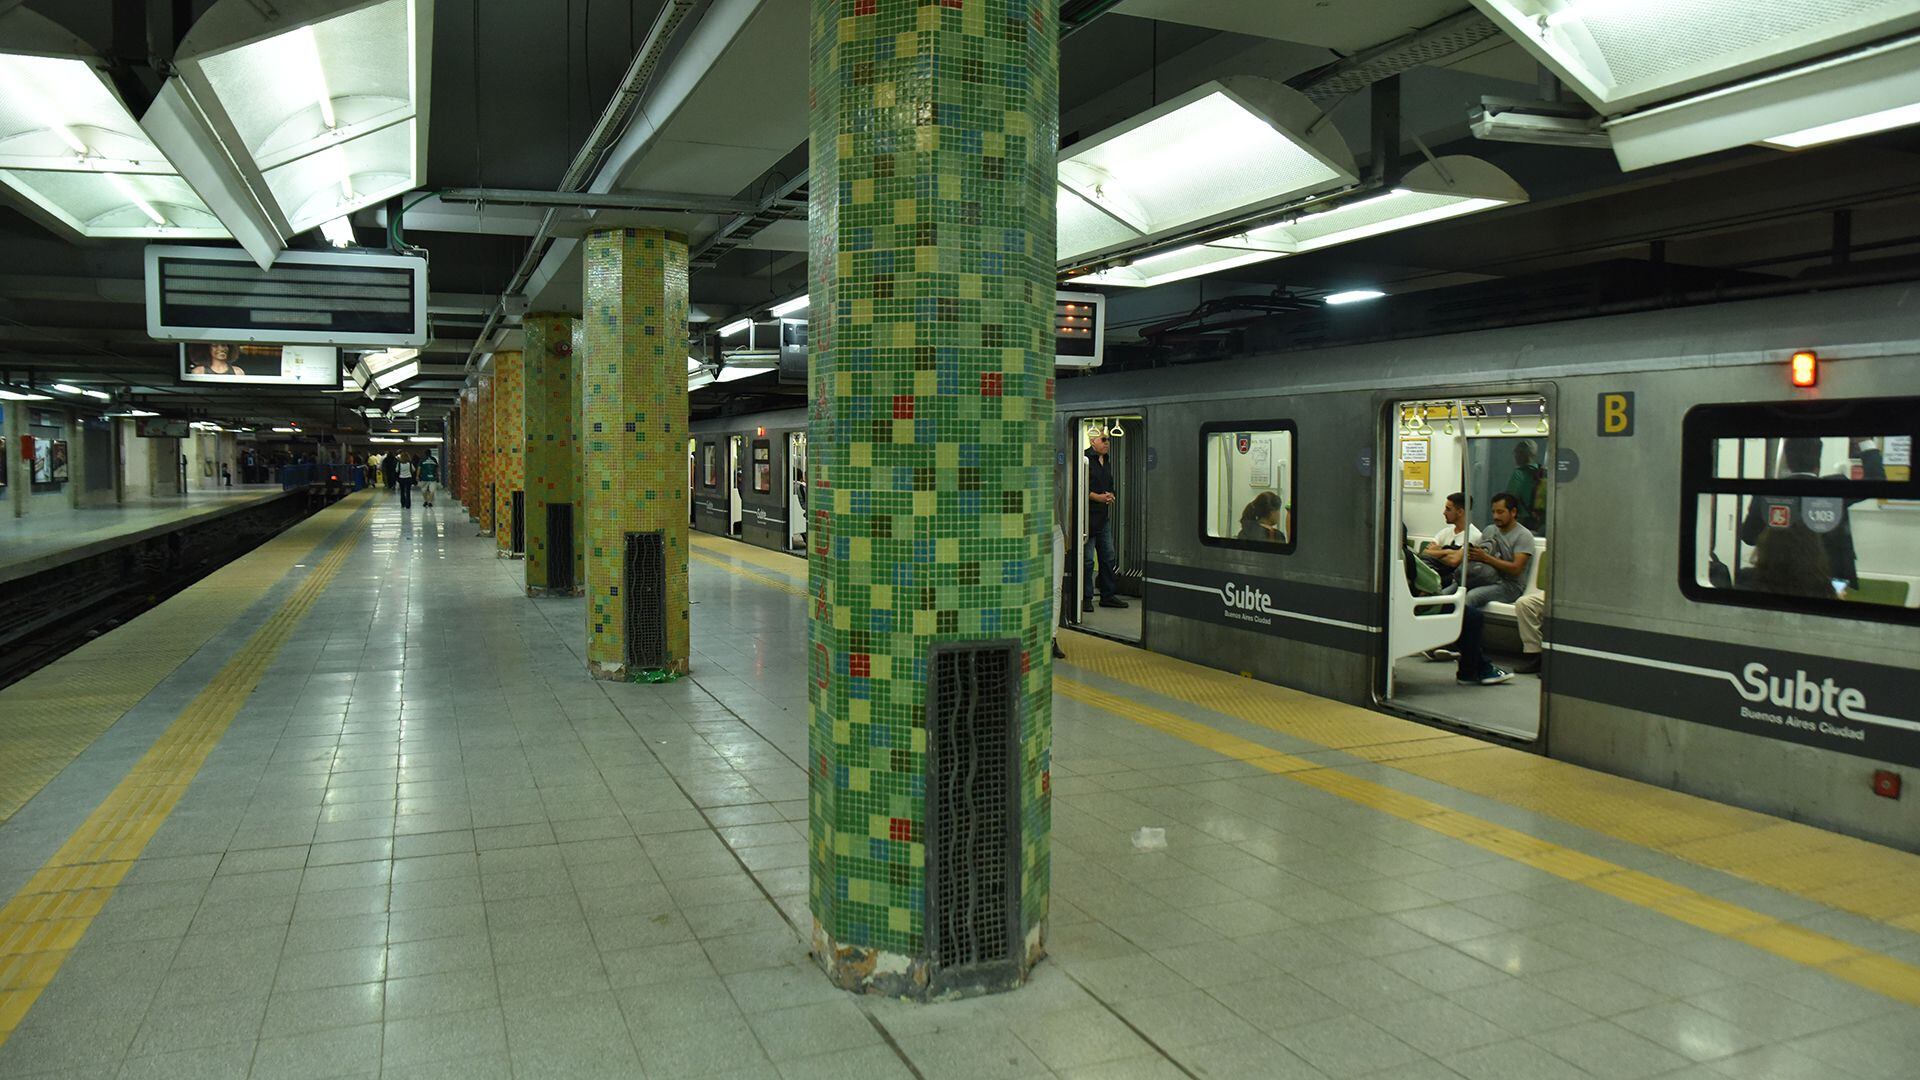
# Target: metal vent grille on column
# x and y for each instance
(559, 545)
(644, 589)
(517, 526)
(973, 811)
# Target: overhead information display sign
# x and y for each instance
(336, 298)
(283, 365)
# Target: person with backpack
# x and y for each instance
(403, 474)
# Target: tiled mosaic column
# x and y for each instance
(634, 420)
(509, 446)
(552, 460)
(482, 505)
(934, 135)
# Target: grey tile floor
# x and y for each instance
(431, 847)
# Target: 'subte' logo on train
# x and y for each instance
(1244, 598)
(1802, 694)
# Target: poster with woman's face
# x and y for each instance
(218, 360)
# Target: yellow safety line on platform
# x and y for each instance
(1876, 972)
(50, 717)
(1842, 872)
(1377, 737)
(792, 565)
(787, 587)
(43, 922)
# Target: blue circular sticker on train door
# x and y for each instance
(1821, 513)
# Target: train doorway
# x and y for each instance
(693, 476)
(797, 491)
(1460, 467)
(1122, 522)
(736, 479)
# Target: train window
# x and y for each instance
(762, 465)
(710, 465)
(1804, 506)
(1246, 486)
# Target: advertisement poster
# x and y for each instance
(221, 362)
(154, 427)
(1414, 464)
(50, 461)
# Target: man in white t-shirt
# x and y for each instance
(1447, 550)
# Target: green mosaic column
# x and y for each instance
(509, 446)
(934, 135)
(552, 460)
(634, 420)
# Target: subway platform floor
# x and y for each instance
(51, 535)
(382, 824)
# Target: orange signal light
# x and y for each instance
(1806, 369)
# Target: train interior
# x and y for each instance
(797, 492)
(1127, 458)
(736, 451)
(1477, 448)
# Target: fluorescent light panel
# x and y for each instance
(395, 376)
(23, 395)
(74, 151)
(735, 327)
(331, 115)
(338, 231)
(1622, 55)
(1353, 296)
(1450, 187)
(789, 307)
(402, 408)
(1226, 148)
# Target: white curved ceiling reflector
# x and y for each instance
(1684, 79)
(1223, 149)
(72, 150)
(288, 120)
(1445, 188)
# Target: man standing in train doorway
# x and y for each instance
(1100, 524)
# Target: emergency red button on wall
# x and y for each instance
(1886, 783)
(1806, 369)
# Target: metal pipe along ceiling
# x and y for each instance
(614, 119)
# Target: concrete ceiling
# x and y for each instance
(518, 86)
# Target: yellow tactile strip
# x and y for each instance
(48, 718)
(47, 917)
(1841, 872)
(768, 580)
(1876, 972)
(791, 565)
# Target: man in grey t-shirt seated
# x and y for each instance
(1503, 551)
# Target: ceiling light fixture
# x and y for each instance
(393, 377)
(384, 439)
(698, 379)
(66, 388)
(338, 231)
(74, 152)
(788, 307)
(1225, 149)
(425, 438)
(287, 430)
(284, 131)
(735, 327)
(1444, 188)
(402, 408)
(1885, 120)
(1353, 296)
(22, 395)
(128, 413)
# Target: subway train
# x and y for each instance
(1725, 516)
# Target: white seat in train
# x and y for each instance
(1502, 607)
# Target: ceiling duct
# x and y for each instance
(287, 116)
(1222, 150)
(1447, 187)
(1681, 80)
(72, 151)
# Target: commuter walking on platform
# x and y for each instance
(403, 472)
(390, 470)
(429, 475)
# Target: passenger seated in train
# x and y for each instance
(1422, 578)
(1789, 561)
(1497, 567)
(1260, 520)
(1528, 613)
(1448, 547)
(1800, 460)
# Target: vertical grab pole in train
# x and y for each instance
(1418, 623)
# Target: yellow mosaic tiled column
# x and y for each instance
(482, 505)
(634, 427)
(509, 445)
(552, 462)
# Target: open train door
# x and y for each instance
(1428, 452)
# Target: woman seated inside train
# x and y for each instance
(1260, 521)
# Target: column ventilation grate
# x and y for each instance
(517, 526)
(560, 546)
(644, 589)
(973, 812)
